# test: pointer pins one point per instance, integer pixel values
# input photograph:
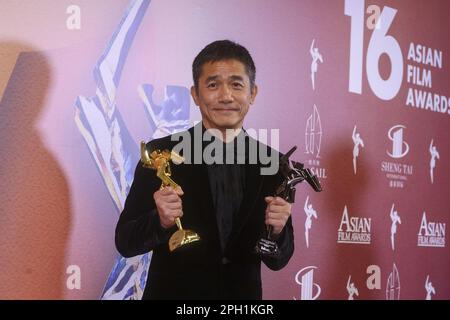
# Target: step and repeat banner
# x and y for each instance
(361, 87)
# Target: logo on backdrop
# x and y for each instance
(358, 142)
(313, 142)
(395, 219)
(434, 155)
(399, 147)
(310, 212)
(429, 288)
(397, 173)
(313, 133)
(422, 61)
(393, 285)
(305, 279)
(431, 234)
(316, 57)
(354, 229)
(351, 289)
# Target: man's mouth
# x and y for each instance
(225, 109)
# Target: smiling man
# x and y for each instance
(227, 203)
(224, 91)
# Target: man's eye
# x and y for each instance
(238, 85)
(212, 85)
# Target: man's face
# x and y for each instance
(223, 94)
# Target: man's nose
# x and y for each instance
(226, 95)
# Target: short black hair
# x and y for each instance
(223, 50)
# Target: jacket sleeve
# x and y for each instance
(285, 239)
(285, 243)
(138, 230)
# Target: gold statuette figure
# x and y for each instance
(159, 161)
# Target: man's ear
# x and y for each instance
(194, 94)
(253, 94)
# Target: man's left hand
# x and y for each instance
(277, 213)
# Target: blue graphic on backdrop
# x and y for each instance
(173, 115)
(110, 143)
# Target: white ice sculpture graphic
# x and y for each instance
(434, 155)
(395, 219)
(110, 143)
(316, 56)
(310, 212)
(358, 142)
(429, 287)
(351, 289)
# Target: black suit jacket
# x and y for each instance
(202, 270)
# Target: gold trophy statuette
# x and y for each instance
(159, 161)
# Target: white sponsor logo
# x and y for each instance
(305, 279)
(313, 133)
(397, 173)
(399, 147)
(431, 234)
(393, 285)
(313, 142)
(354, 229)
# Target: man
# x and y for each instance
(227, 205)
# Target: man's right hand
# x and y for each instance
(169, 206)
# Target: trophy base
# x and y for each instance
(267, 247)
(181, 238)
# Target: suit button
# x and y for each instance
(225, 260)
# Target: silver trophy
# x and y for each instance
(286, 190)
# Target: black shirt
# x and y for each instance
(227, 183)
